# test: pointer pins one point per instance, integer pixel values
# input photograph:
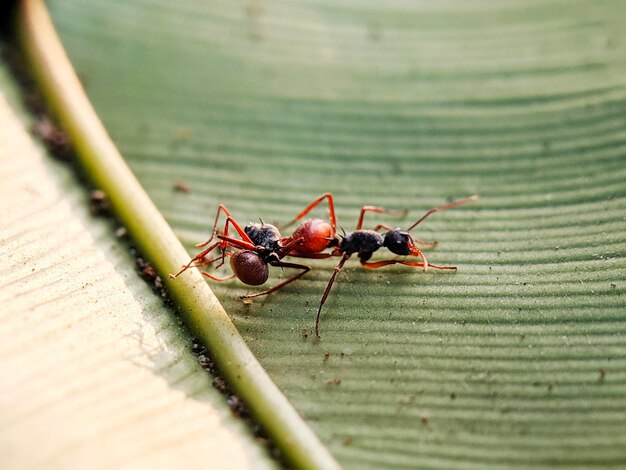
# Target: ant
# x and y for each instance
(365, 242)
(262, 245)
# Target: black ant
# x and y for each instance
(262, 245)
(365, 242)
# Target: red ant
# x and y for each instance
(316, 234)
(365, 242)
(262, 245)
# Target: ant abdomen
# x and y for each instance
(316, 236)
(249, 267)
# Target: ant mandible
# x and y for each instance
(365, 242)
(262, 245)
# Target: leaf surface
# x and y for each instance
(517, 358)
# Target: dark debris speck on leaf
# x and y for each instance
(99, 203)
(55, 139)
(181, 187)
(148, 272)
(237, 406)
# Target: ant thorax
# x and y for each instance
(265, 235)
(363, 242)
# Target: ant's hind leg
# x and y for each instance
(415, 264)
(196, 259)
(215, 278)
(209, 262)
(221, 208)
(310, 207)
(312, 255)
(280, 264)
(224, 243)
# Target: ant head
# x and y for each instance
(249, 267)
(399, 242)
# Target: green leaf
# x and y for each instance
(519, 358)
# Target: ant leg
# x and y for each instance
(280, 264)
(417, 264)
(312, 255)
(215, 278)
(380, 227)
(209, 262)
(444, 207)
(289, 244)
(436, 266)
(225, 242)
(229, 221)
(335, 252)
(197, 258)
(240, 231)
(310, 207)
(237, 243)
(364, 209)
(221, 208)
(344, 258)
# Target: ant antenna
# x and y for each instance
(444, 207)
